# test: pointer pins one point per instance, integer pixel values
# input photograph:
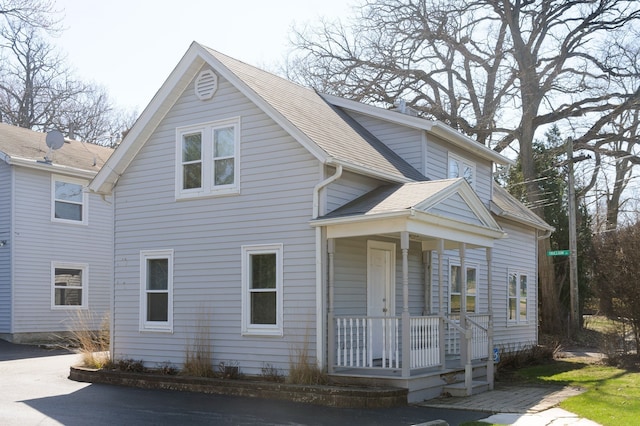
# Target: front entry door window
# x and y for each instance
(456, 283)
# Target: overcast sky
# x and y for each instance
(131, 46)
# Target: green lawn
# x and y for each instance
(612, 396)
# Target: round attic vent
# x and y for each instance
(206, 85)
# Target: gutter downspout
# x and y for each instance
(321, 343)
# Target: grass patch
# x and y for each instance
(612, 396)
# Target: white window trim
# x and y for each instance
(261, 329)
(85, 284)
(160, 326)
(208, 189)
(517, 320)
(456, 262)
(461, 163)
(85, 200)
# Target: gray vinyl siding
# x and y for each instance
(277, 177)
(456, 208)
(517, 252)
(407, 142)
(5, 251)
(438, 165)
(38, 241)
(349, 187)
(350, 289)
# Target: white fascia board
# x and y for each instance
(144, 126)
(50, 167)
(442, 226)
(520, 220)
(435, 127)
(356, 218)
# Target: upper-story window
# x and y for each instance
(68, 200)
(459, 167)
(207, 160)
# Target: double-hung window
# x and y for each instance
(69, 287)
(456, 288)
(68, 200)
(156, 290)
(459, 167)
(207, 160)
(517, 297)
(262, 290)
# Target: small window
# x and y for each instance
(262, 290)
(455, 293)
(156, 295)
(517, 297)
(69, 289)
(69, 200)
(207, 159)
(458, 167)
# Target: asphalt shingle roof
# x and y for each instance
(391, 198)
(26, 144)
(330, 128)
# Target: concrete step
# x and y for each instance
(458, 388)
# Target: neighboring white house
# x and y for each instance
(56, 238)
(269, 218)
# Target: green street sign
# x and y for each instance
(558, 252)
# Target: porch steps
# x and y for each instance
(459, 389)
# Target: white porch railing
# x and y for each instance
(371, 342)
(376, 342)
(425, 341)
(479, 326)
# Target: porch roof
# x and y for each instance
(440, 209)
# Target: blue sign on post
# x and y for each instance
(496, 355)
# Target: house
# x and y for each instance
(56, 239)
(268, 219)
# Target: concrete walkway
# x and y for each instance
(516, 404)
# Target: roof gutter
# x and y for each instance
(320, 185)
(49, 167)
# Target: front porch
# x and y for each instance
(444, 332)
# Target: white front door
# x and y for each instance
(381, 259)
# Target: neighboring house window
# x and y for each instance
(517, 297)
(69, 288)
(207, 160)
(458, 167)
(455, 294)
(69, 200)
(262, 289)
(156, 290)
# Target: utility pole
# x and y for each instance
(574, 325)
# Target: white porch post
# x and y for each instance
(443, 352)
(406, 318)
(490, 366)
(331, 327)
(465, 349)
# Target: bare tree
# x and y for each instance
(36, 13)
(497, 70)
(38, 90)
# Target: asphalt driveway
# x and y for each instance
(35, 390)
